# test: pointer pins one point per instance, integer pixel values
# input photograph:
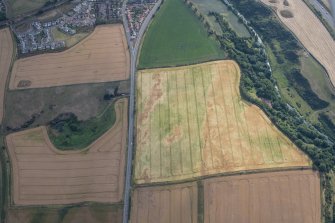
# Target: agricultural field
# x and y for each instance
(95, 213)
(101, 57)
(6, 55)
(18, 7)
(191, 122)
(287, 196)
(177, 37)
(207, 6)
(175, 203)
(43, 175)
(31, 108)
(299, 19)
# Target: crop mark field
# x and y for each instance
(101, 57)
(287, 196)
(6, 55)
(191, 121)
(164, 204)
(43, 175)
(310, 31)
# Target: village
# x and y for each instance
(136, 12)
(86, 14)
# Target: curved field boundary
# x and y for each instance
(44, 175)
(292, 196)
(310, 31)
(101, 57)
(192, 122)
(6, 55)
(176, 203)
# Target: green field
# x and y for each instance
(206, 6)
(68, 133)
(18, 7)
(176, 37)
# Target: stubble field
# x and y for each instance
(310, 31)
(191, 122)
(289, 196)
(101, 57)
(43, 175)
(6, 54)
(176, 203)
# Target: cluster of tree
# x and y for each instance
(2, 16)
(317, 145)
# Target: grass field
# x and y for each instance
(43, 175)
(36, 107)
(69, 40)
(291, 196)
(317, 41)
(101, 57)
(18, 7)
(206, 6)
(68, 214)
(191, 121)
(176, 37)
(71, 133)
(176, 203)
(6, 56)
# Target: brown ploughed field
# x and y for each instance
(6, 54)
(43, 175)
(310, 31)
(288, 196)
(101, 57)
(165, 204)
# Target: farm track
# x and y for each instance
(101, 57)
(6, 55)
(193, 123)
(43, 175)
(310, 31)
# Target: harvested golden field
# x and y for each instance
(101, 57)
(6, 55)
(191, 121)
(42, 175)
(310, 31)
(165, 204)
(288, 196)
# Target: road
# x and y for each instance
(324, 12)
(133, 49)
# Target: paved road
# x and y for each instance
(133, 60)
(325, 14)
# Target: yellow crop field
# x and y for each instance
(6, 55)
(191, 121)
(309, 30)
(43, 175)
(103, 56)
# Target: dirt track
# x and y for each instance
(44, 175)
(191, 122)
(292, 196)
(170, 204)
(310, 31)
(101, 57)
(6, 54)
